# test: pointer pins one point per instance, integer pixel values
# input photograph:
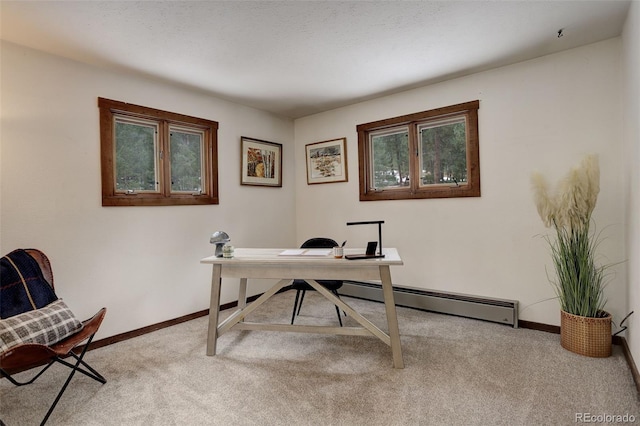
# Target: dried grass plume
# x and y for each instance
(575, 196)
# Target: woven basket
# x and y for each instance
(586, 336)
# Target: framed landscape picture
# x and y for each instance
(261, 162)
(327, 161)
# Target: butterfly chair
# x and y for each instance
(36, 328)
(301, 286)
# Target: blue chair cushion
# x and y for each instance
(22, 285)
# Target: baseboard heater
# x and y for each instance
(495, 310)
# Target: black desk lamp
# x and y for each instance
(371, 246)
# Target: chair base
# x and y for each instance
(297, 305)
(87, 371)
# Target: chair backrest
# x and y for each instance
(319, 242)
(26, 282)
(44, 263)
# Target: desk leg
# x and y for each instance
(214, 310)
(392, 317)
(242, 294)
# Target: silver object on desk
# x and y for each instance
(219, 238)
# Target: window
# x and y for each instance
(156, 158)
(430, 154)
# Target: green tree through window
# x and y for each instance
(428, 154)
(443, 149)
(390, 159)
(151, 157)
(186, 161)
(135, 157)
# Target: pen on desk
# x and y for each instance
(343, 243)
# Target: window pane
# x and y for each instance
(390, 162)
(186, 160)
(443, 152)
(136, 165)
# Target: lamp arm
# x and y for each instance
(371, 222)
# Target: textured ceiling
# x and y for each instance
(296, 58)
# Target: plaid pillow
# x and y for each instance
(46, 326)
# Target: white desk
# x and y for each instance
(267, 263)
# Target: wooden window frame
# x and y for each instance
(414, 191)
(164, 197)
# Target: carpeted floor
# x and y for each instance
(457, 372)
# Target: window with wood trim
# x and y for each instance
(152, 157)
(429, 154)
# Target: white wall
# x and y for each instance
(142, 263)
(541, 114)
(631, 90)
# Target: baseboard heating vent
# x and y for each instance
(464, 305)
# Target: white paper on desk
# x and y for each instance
(306, 252)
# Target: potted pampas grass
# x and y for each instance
(585, 326)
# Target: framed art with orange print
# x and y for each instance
(261, 162)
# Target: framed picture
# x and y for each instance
(327, 161)
(261, 162)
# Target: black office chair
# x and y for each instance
(301, 286)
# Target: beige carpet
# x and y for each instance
(457, 372)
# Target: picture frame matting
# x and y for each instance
(327, 161)
(261, 162)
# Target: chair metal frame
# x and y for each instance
(298, 304)
(30, 355)
(301, 286)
